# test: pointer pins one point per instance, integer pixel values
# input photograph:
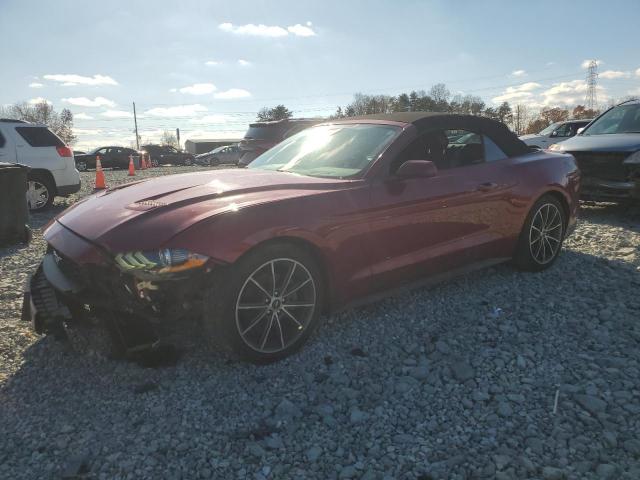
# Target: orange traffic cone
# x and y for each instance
(100, 183)
(132, 169)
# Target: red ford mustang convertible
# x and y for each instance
(337, 214)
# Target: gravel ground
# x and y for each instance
(497, 374)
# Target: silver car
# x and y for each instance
(219, 156)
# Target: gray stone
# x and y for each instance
(605, 470)
(462, 371)
(552, 473)
(504, 409)
(591, 404)
(313, 453)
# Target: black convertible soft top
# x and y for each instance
(431, 121)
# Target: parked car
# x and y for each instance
(261, 136)
(338, 213)
(110, 157)
(166, 154)
(219, 156)
(608, 154)
(554, 133)
(53, 171)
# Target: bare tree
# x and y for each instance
(169, 138)
(42, 112)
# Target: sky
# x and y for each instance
(207, 67)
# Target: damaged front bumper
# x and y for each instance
(63, 292)
(601, 189)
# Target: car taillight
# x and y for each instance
(64, 151)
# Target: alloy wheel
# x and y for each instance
(275, 305)
(81, 166)
(545, 234)
(37, 194)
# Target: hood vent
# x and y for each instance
(146, 205)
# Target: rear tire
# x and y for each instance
(260, 320)
(40, 192)
(542, 235)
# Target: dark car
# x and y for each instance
(166, 154)
(608, 154)
(110, 157)
(228, 154)
(336, 214)
(261, 136)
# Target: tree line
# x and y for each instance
(520, 118)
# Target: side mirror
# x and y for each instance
(554, 134)
(580, 130)
(417, 169)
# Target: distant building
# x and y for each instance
(195, 147)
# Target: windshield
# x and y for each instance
(549, 129)
(264, 132)
(620, 119)
(334, 151)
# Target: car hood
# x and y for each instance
(148, 213)
(618, 142)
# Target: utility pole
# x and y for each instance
(135, 122)
(591, 98)
(178, 137)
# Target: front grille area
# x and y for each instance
(603, 165)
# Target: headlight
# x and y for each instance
(166, 260)
(633, 159)
(556, 147)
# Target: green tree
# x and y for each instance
(505, 115)
(279, 112)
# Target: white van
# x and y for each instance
(53, 169)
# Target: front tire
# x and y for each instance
(541, 238)
(81, 166)
(269, 305)
(40, 192)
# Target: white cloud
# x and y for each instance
(569, 93)
(36, 85)
(519, 93)
(198, 89)
(256, 30)
(244, 63)
(87, 102)
(86, 131)
(638, 72)
(212, 63)
(301, 30)
(73, 79)
(585, 63)
(210, 119)
(274, 31)
(117, 114)
(232, 93)
(82, 116)
(518, 73)
(36, 100)
(611, 74)
(177, 111)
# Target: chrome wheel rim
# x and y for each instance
(81, 166)
(275, 305)
(37, 194)
(545, 234)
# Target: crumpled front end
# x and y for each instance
(609, 176)
(77, 279)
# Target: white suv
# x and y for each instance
(52, 167)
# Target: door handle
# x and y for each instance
(487, 186)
